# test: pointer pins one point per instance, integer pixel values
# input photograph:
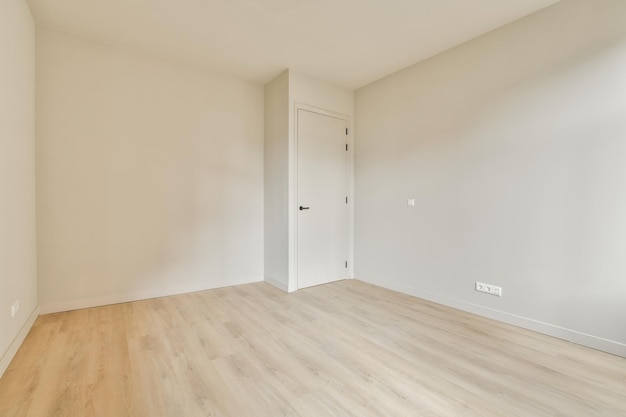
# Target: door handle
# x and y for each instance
(304, 208)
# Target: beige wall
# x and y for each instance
(149, 174)
(276, 155)
(513, 147)
(17, 176)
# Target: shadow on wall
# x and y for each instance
(512, 146)
(150, 176)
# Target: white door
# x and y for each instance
(322, 208)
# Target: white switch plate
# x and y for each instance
(410, 202)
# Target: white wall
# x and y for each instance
(514, 148)
(150, 176)
(18, 281)
(318, 93)
(277, 181)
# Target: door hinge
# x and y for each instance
(346, 264)
(346, 146)
(346, 200)
(346, 131)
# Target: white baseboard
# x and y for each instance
(594, 342)
(139, 295)
(7, 357)
(276, 283)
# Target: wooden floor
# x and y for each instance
(342, 349)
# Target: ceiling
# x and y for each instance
(346, 42)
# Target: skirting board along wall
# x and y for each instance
(138, 296)
(580, 338)
(8, 356)
(276, 283)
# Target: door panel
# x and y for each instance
(322, 237)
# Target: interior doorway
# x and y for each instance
(322, 198)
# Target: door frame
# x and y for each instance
(293, 191)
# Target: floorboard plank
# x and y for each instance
(345, 349)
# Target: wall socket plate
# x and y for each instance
(15, 308)
(489, 289)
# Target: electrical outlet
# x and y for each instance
(489, 289)
(15, 308)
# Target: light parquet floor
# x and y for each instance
(346, 349)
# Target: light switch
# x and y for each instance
(410, 202)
